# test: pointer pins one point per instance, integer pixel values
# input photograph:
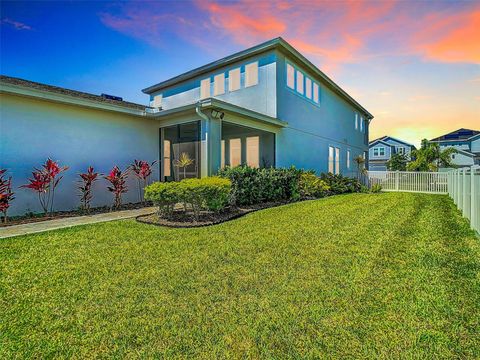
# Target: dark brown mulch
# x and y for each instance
(181, 220)
(33, 218)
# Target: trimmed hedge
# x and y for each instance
(211, 193)
(340, 184)
(255, 185)
(312, 187)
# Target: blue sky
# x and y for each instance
(414, 65)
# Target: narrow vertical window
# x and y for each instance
(205, 88)
(222, 156)
(219, 84)
(308, 87)
(290, 76)
(157, 101)
(251, 74)
(234, 79)
(166, 159)
(253, 151)
(235, 152)
(337, 161)
(361, 123)
(316, 93)
(356, 121)
(348, 159)
(330, 159)
(299, 82)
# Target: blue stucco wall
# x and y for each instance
(260, 98)
(33, 130)
(313, 128)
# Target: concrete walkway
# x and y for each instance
(24, 229)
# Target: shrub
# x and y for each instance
(211, 193)
(44, 182)
(118, 180)
(310, 186)
(85, 187)
(6, 194)
(142, 171)
(341, 184)
(376, 188)
(254, 185)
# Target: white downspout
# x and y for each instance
(207, 129)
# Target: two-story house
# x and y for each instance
(264, 106)
(381, 150)
(467, 144)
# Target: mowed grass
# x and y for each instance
(392, 275)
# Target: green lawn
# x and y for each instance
(392, 275)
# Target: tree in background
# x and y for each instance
(398, 162)
(430, 157)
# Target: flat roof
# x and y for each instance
(277, 43)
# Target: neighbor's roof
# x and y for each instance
(460, 134)
(277, 43)
(63, 91)
(375, 142)
(386, 137)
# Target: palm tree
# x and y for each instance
(430, 157)
(360, 161)
(183, 162)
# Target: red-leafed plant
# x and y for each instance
(85, 187)
(44, 183)
(6, 194)
(118, 180)
(142, 171)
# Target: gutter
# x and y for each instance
(207, 129)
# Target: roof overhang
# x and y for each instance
(378, 141)
(212, 103)
(65, 99)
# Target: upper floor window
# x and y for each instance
(361, 123)
(356, 121)
(219, 84)
(379, 151)
(251, 74)
(234, 79)
(156, 101)
(308, 87)
(300, 82)
(205, 88)
(290, 76)
(401, 150)
(316, 93)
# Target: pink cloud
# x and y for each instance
(15, 24)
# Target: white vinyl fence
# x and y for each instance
(411, 181)
(464, 189)
(463, 186)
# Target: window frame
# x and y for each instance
(247, 74)
(230, 77)
(219, 85)
(302, 82)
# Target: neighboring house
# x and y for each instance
(264, 106)
(467, 144)
(381, 150)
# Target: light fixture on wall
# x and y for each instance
(218, 114)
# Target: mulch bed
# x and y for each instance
(33, 218)
(181, 220)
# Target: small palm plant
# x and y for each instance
(183, 162)
(360, 161)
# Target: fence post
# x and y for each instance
(397, 176)
(473, 212)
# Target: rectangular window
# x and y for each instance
(234, 79)
(251, 74)
(356, 121)
(235, 152)
(381, 151)
(219, 84)
(299, 82)
(205, 89)
(331, 159)
(316, 93)
(361, 123)
(348, 159)
(166, 159)
(222, 157)
(253, 151)
(337, 161)
(308, 87)
(401, 150)
(375, 151)
(290, 76)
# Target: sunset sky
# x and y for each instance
(414, 65)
